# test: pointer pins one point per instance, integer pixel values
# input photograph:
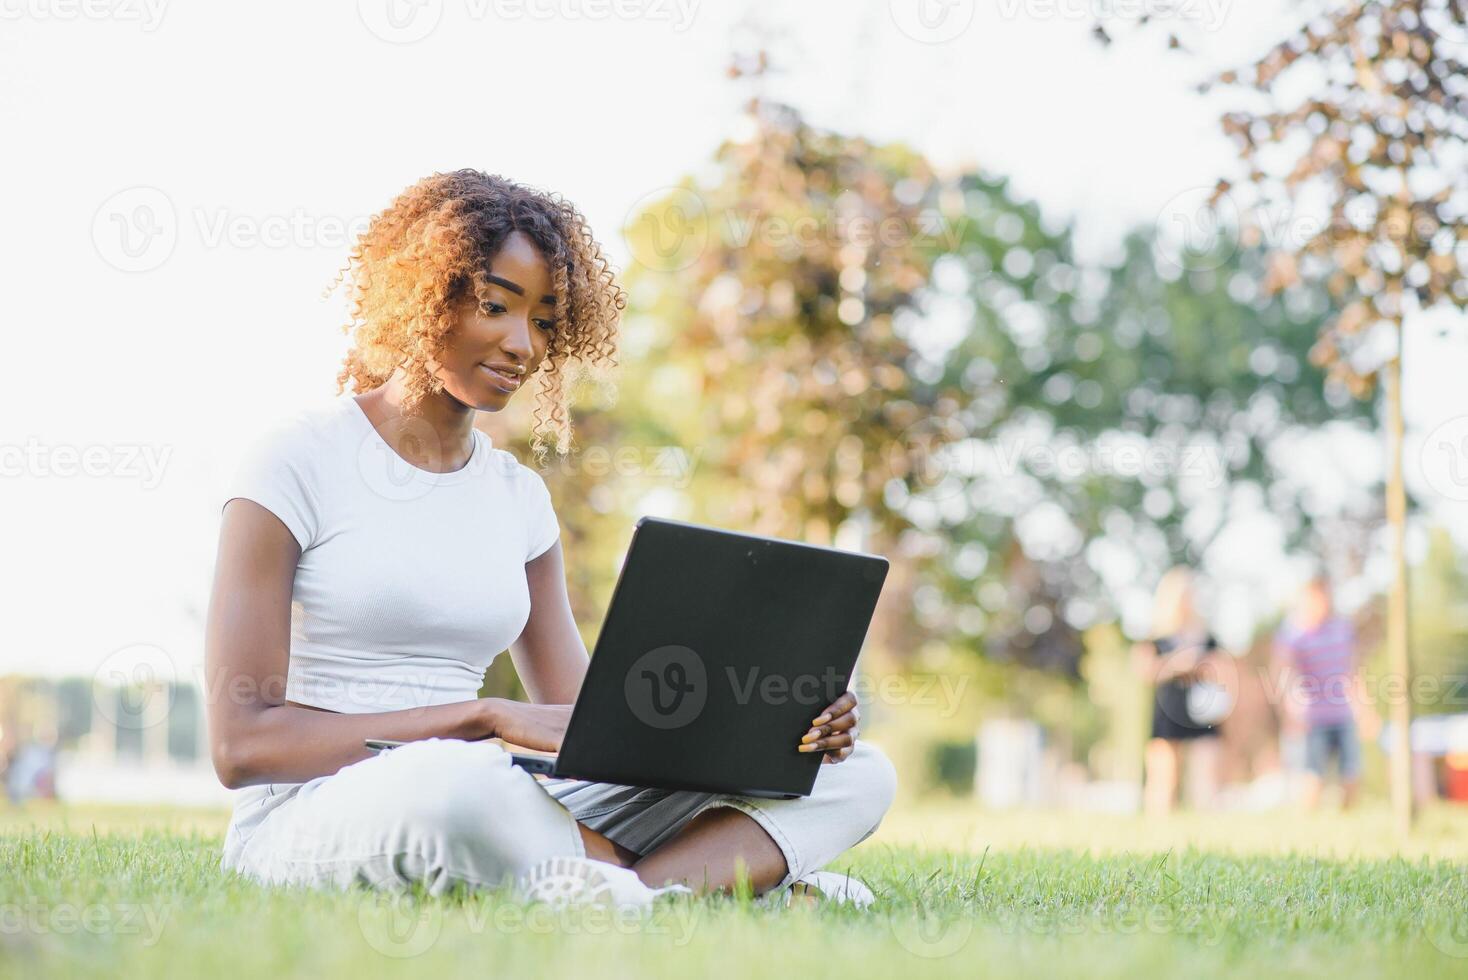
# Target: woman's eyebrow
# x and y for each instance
(547, 299)
(517, 290)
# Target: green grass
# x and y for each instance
(120, 893)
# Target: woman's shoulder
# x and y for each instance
(500, 468)
(301, 437)
(527, 482)
(309, 425)
(526, 476)
(282, 466)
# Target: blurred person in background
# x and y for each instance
(1179, 660)
(31, 772)
(1316, 651)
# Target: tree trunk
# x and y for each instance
(1398, 666)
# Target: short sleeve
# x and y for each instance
(276, 472)
(541, 524)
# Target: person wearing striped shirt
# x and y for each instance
(1317, 651)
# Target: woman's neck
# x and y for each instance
(438, 437)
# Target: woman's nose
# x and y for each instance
(518, 338)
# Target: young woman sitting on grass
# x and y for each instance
(377, 552)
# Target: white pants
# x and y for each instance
(444, 812)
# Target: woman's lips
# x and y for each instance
(505, 382)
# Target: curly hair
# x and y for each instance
(432, 247)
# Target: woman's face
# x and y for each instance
(496, 344)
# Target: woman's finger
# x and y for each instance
(836, 741)
(839, 724)
(840, 706)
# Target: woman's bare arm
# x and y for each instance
(255, 735)
(549, 655)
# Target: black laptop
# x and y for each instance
(717, 651)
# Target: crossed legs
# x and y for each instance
(708, 854)
(442, 811)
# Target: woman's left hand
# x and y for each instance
(834, 730)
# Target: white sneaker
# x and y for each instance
(566, 882)
(835, 887)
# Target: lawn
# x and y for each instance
(121, 893)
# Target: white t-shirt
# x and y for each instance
(409, 582)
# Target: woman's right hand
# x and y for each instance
(539, 727)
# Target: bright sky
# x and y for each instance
(251, 137)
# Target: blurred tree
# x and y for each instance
(774, 294)
(780, 349)
(1367, 119)
(1110, 418)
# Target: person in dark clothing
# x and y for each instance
(1178, 660)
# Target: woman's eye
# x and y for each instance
(546, 325)
(493, 309)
